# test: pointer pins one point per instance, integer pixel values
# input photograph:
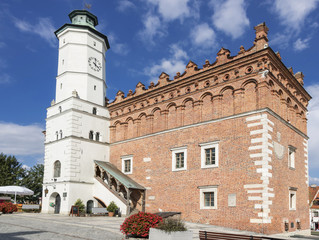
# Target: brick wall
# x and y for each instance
(253, 106)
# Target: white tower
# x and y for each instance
(77, 122)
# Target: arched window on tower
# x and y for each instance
(94, 111)
(61, 134)
(91, 135)
(97, 136)
(57, 169)
(60, 109)
(57, 135)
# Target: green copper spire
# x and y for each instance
(84, 18)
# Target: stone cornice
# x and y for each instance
(79, 111)
(77, 138)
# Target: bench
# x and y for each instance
(32, 207)
(204, 235)
(99, 211)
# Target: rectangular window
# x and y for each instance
(179, 159)
(127, 164)
(209, 154)
(208, 197)
(316, 214)
(291, 156)
(292, 200)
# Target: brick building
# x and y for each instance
(225, 144)
(314, 206)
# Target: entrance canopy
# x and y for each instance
(121, 177)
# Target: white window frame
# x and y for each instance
(174, 152)
(127, 158)
(291, 157)
(202, 198)
(205, 146)
(293, 202)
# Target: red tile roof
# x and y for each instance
(313, 194)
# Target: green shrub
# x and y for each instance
(112, 207)
(80, 204)
(172, 225)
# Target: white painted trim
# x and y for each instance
(202, 200)
(126, 158)
(174, 152)
(205, 146)
(294, 203)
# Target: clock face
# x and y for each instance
(95, 64)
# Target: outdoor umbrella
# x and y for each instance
(16, 190)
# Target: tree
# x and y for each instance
(33, 180)
(11, 171)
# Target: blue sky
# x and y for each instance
(146, 38)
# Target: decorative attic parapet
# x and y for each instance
(222, 71)
(242, 50)
(191, 68)
(223, 56)
(299, 76)
(119, 97)
(163, 79)
(261, 40)
(140, 88)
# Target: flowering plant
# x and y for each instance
(52, 204)
(139, 224)
(8, 207)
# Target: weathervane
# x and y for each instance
(88, 6)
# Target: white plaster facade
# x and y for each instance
(79, 108)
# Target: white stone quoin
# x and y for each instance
(77, 122)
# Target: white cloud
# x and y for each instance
(230, 17)
(26, 167)
(124, 5)
(281, 40)
(300, 44)
(44, 28)
(313, 180)
(117, 47)
(313, 127)
(293, 13)
(172, 10)
(152, 28)
(176, 63)
(5, 78)
(21, 140)
(203, 36)
(161, 13)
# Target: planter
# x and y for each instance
(156, 234)
(111, 214)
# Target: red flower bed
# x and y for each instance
(8, 207)
(139, 224)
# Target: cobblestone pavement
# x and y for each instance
(36, 226)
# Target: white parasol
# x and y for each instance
(16, 190)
